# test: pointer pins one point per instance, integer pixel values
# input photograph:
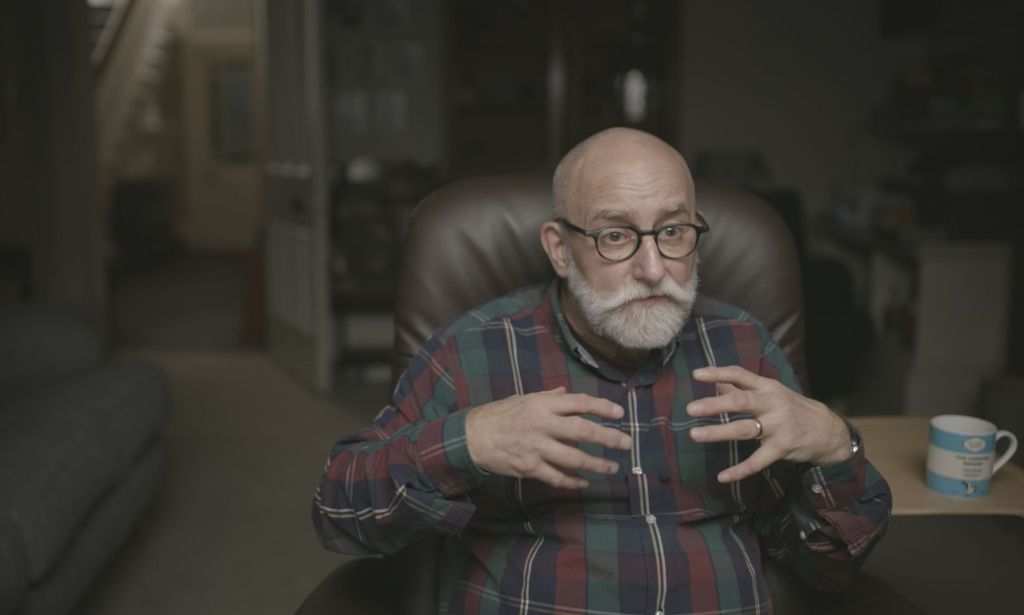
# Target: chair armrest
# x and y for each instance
(404, 583)
(357, 587)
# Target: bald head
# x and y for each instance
(617, 180)
(615, 151)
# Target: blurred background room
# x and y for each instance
(211, 195)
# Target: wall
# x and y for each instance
(222, 198)
(47, 186)
(794, 80)
(17, 216)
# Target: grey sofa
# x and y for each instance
(81, 455)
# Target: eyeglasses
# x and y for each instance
(620, 242)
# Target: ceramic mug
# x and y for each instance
(962, 454)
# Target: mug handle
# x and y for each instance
(1002, 433)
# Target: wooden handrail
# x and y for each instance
(110, 34)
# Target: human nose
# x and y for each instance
(648, 265)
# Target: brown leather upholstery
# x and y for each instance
(477, 239)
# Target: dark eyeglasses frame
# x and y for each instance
(701, 227)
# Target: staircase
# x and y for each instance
(130, 53)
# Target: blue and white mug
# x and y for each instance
(962, 455)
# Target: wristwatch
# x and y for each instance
(854, 439)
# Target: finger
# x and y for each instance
(758, 461)
(572, 460)
(742, 429)
(551, 475)
(731, 374)
(724, 388)
(736, 401)
(581, 403)
(579, 429)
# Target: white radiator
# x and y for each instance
(289, 254)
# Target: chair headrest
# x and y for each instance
(476, 239)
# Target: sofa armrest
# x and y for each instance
(42, 342)
(13, 569)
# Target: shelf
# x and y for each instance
(939, 139)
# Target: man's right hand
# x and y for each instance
(533, 436)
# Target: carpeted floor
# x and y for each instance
(231, 532)
(188, 302)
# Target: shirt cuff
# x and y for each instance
(444, 455)
(836, 485)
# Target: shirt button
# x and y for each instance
(651, 519)
(803, 535)
(816, 488)
(638, 470)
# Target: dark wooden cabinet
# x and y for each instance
(959, 110)
(528, 79)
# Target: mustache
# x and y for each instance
(610, 315)
(635, 291)
(667, 288)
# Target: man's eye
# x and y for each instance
(615, 236)
(671, 232)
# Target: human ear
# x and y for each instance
(554, 244)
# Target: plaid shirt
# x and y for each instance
(661, 536)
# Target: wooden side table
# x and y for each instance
(945, 555)
(898, 446)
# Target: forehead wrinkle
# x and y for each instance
(625, 215)
(629, 184)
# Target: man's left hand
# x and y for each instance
(794, 427)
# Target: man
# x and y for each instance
(608, 442)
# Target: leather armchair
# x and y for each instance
(476, 239)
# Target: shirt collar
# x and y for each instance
(577, 349)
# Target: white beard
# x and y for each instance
(612, 316)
